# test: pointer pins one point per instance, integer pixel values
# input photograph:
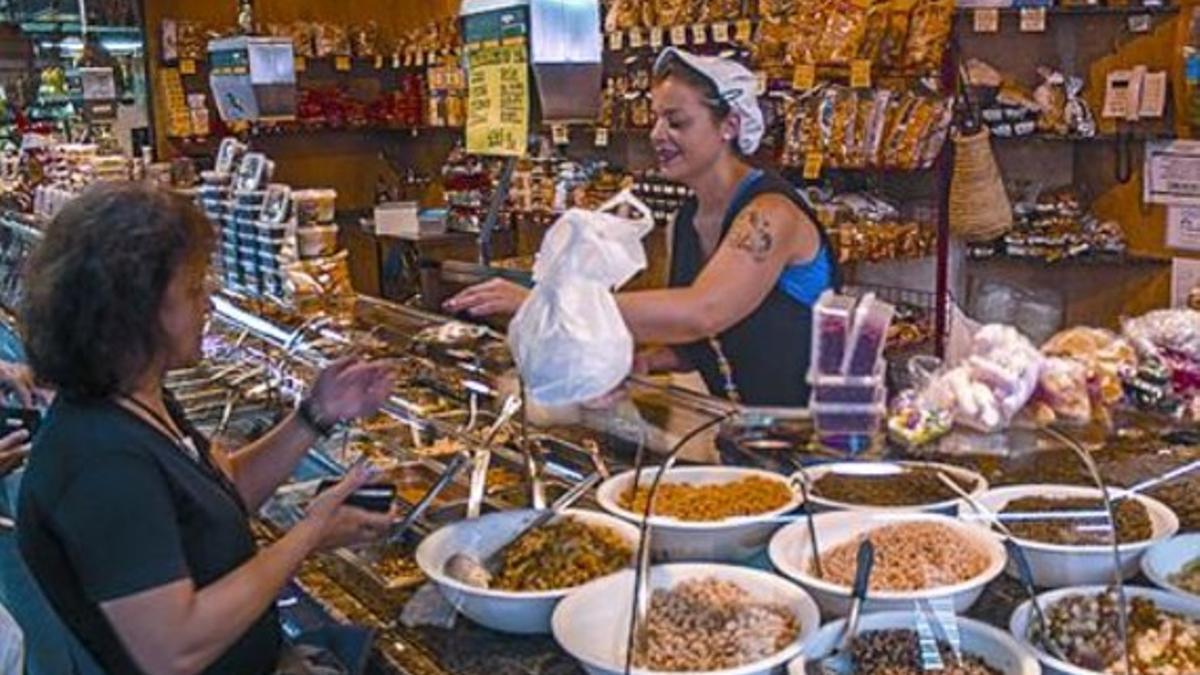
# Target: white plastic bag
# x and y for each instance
(569, 340)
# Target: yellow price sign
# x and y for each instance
(804, 77)
(813, 162)
(341, 63)
(187, 67)
(763, 83)
(860, 73)
(301, 64)
(745, 30)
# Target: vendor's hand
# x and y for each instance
(352, 388)
(14, 449)
(496, 296)
(335, 524)
(18, 378)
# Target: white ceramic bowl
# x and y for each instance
(731, 539)
(999, 649)
(791, 554)
(1167, 558)
(592, 623)
(1018, 625)
(1059, 565)
(505, 611)
(947, 506)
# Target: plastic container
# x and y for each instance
(846, 418)
(317, 242)
(314, 207)
(868, 336)
(844, 389)
(831, 330)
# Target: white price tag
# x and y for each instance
(616, 41)
(679, 35)
(1139, 23)
(601, 137)
(761, 76)
(395, 61)
(720, 32)
(635, 38)
(699, 34)
(1033, 20)
(560, 134)
(656, 38)
(987, 20)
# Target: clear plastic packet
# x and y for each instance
(831, 332)
(929, 33)
(845, 26)
(882, 105)
(1062, 393)
(841, 132)
(856, 156)
(936, 136)
(1051, 98)
(1079, 118)
(868, 336)
(895, 38)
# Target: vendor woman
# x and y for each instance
(748, 258)
(137, 532)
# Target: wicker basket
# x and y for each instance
(979, 206)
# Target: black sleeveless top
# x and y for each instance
(769, 349)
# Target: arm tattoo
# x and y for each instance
(754, 236)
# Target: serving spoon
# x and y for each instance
(839, 661)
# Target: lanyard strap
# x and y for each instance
(168, 429)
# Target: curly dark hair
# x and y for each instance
(95, 285)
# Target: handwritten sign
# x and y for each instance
(498, 101)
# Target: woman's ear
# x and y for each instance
(731, 128)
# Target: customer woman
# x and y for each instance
(136, 532)
(748, 259)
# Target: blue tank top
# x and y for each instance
(769, 350)
(803, 282)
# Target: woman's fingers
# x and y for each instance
(14, 440)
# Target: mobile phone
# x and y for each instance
(377, 497)
(16, 419)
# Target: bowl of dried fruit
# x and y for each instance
(891, 642)
(534, 574)
(889, 486)
(703, 618)
(1065, 531)
(1082, 635)
(713, 513)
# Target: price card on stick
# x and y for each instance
(987, 20)
(679, 36)
(804, 77)
(1033, 20)
(720, 32)
(656, 38)
(601, 137)
(813, 162)
(187, 67)
(699, 34)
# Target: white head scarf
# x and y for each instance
(735, 84)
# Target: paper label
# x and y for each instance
(699, 34)
(1139, 23)
(341, 64)
(1185, 275)
(813, 162)
(636, 41)
(560, 134)
(616, 41)
(601, 137)
(1171, 173)
(395, 61)
(720, 32)
(656, 37)
(498, 101)
(860, 73)
(745, 30)
(987, 20)
(378, 63)
(679, 35)
(1183, 227)
(1033, 19)
(804, 77)
(187, 67)
(301, 64)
